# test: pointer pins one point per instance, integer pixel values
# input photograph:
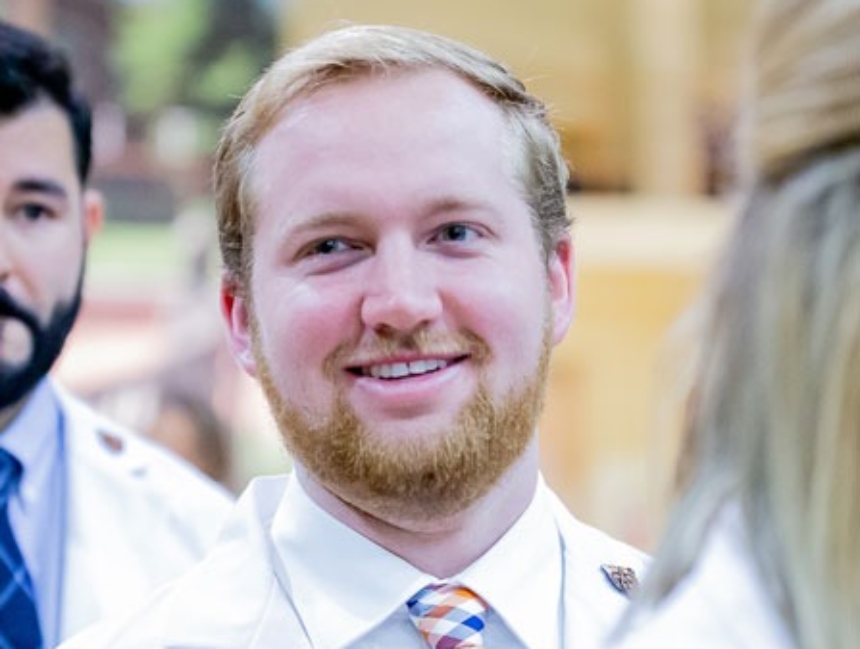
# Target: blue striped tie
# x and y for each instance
(19, 622)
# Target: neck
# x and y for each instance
(442, 546)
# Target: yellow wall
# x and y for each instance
(607, 448)
(630, 84)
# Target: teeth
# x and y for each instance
(399, 370)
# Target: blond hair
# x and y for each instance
(773, 421)
(356, 51)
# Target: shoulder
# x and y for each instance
(114, 632)
(688, 620)
(102, 451)
(599, 575)
(231, 598)
(590, 548)
(685, 618)
(667, 633)
(721, 604)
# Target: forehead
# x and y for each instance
(37, 142)
(400, 126)
(423, 90)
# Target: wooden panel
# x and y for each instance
(607, 447)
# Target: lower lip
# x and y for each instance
(418, 388)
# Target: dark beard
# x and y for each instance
(16, 379)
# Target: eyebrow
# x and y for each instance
(446, 204)
(436, 206)
(42, 186)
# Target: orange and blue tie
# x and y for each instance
(19, 622)
(448, 616)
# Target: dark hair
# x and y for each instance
(31, 70)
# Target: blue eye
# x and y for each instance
(457, 232)
(328, 247)
(329, 254)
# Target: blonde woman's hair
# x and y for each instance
(773, 418)
(358, 51)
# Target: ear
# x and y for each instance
(94, 213)
(562, 286)
(234, 310)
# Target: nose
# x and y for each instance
(401, 294)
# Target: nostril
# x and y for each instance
(395, 312)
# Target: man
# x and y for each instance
(91, 518)
(392, 218)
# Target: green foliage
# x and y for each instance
(201, 54)
(226, 79)
(153, 40)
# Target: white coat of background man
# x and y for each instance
(95, 517)
(392, 218)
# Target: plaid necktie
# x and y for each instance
(448, 616)
(19, 623)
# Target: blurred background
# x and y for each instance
(643, 93)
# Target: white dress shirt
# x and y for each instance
(350, 593)
(287, 574)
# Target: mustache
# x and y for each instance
(11, 308)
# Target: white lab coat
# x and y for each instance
(721, 604)
(239, 596)
(136, 517)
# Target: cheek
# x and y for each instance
(299, 328)
(511, 316)
(54, 276)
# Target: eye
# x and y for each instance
(328, 247)
(34, 211)
(328, 254)
(457, 232)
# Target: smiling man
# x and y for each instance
(91, 518)
(398, 269)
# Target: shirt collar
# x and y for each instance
(520, 577)
(33, 437)
(343, 585)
